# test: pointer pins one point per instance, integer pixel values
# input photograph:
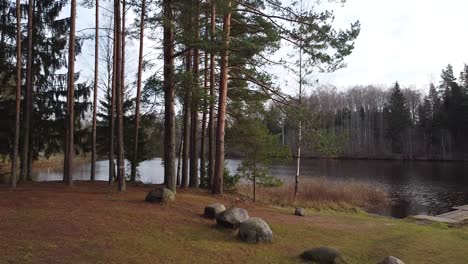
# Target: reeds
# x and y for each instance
(321, 193)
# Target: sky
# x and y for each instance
(409, 41)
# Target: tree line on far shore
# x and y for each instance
(385, 123)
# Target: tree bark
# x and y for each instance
(203, 127)
(223, 86)
(169, 94)
(119, 91)
(28, 97)
(137, 107)
(194, 180)
(18, 94)
(96, 72)
(211, 126)
(112, 114)
(71, 93)
(187, 103)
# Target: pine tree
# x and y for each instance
(18, 94)
(169, 94)
(138, 95)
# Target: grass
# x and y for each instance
(321, 193)
(92, 223)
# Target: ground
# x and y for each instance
(92, 223)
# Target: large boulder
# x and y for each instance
(323, 255)
(212, 210)
(300, 211)
(232, 217)
(255, 230)
(160, 195)
(391, 260)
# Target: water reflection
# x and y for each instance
(415, 187)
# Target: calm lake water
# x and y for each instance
(415, 187)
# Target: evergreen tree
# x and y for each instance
(399, 119)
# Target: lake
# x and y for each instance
(416, 187)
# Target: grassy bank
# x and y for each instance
(91, 223)
(321, 193)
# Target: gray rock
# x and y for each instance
(232, 217)
(391, 260)
(323, 255)
(160, 195)
(255, 230)
(212, 210)
(300, 211)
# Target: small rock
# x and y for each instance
(391, 260)
(160, 195)
(323, 255)
(300, 211)
(232, 217)
(212, 210)
(255, 230)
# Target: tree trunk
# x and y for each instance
(179, 161)
(28, 97)
(223, 86)
(194, 181)
(211, 127)
(203, 177)
(187, 103)
(119, 92)
(169, 94)
(137, 108)
(112, 115)
(71, 94)
(18, 94)
(96, 72)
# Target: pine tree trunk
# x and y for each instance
(211, 126)
(28, 97)
(203, 127)
(169, 94)
(194, 181)
(187, 107)
(137, 108)
(223, 86)
(71, 93)
(112, 115)
(119, 92)
(179, 161)
(96, 72)
(18, 94)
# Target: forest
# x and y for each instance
(212, 84)
(219, 102)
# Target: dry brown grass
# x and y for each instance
(321, 193)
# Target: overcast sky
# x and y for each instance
(409, 41)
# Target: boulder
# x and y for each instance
(232, 217)
(160, 195)
(300, 211)
(255, 230)
(391, 260)
(212, 210)
(323, 255)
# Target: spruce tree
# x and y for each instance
(399, 118)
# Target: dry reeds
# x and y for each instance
(321, 193)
